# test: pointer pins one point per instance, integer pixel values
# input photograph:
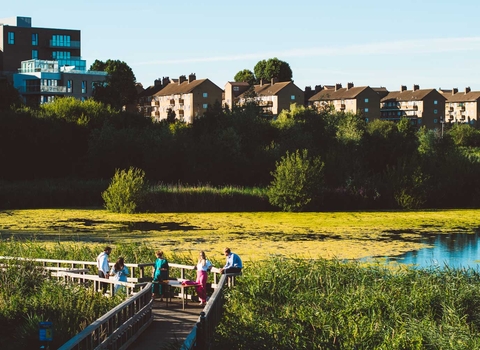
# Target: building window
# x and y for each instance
(366, 110)
(34, 54)
(205, 94)
(34, 39)
(236, 88)
(435, 111)
(435, 102)
(84, 87)
(205, 105)
(435, 121)
(61, 40)
(366, 100)
(69, 86)
(366, 119)
(11, 38)
(292, 97)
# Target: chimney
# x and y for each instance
(318, 88)
(157, 82)
(415, 87)
(403, 88)
(467, 89)
(181, 79)
(191, 77)
(165, 81)
(454, 91)
(349, 86)
(308, 89)
(338, 87)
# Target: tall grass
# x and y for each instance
(320, 304)
(205, 198)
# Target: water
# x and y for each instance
(453, 250)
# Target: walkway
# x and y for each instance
(170, 325)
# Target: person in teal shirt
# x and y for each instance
(160, 273)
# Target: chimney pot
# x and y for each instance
(191, 77)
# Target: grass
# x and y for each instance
(255, 236)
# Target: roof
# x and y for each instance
(340, 94)
(463, 97)
(408, 95)
(183, 88)
(150, 91)
(270, 89)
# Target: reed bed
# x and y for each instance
(327, 304)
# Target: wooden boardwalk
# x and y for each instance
(170, 325)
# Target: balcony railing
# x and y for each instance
(181, 102)
(155, 103)
(451, 109)
(342, 106)
(41, 89)
(172, 102)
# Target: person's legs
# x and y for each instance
(232, 270)
(103, 286)
(202, 288)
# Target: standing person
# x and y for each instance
(119, 272)
(233, 263)
(160, 273)
(203, 267)
(103, 266)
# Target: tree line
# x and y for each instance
(306, 159)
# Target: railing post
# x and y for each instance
(201, 339)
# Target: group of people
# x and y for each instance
(160, 273)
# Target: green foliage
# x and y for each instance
(246, 76)
(464, 135)
(273, 68)
(126, 191)
(320, 304)
(297, 181)
(119, 89)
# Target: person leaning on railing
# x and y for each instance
(160, 274)
(104, 267)
(233, 263)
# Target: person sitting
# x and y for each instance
(233, 263)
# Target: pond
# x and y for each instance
(452, 250)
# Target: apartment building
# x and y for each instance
(145, 97)
(423, 107)
(44, 63)
(462, 107)
(362, 99)
(274, 97)
(186, 97)
(232, 92)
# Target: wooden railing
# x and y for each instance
(118, 328)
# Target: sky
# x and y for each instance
(433, 44)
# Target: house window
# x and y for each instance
(292, 97)
(34, 54)
(435, 102)
(435, 111)
(236, 88)
(435, 121)
(11, 38)
(205, 94)
(34, 39)
(366, 119)
(366, 100)
(69, 86)
(84, 87)
(366, 110)
(205, 105)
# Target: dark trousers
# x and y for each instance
(103, 286)
(232, 270)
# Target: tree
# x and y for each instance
(9, 95)
(126, 191)
(298, 181)
(246, 76)
(273, 68)
(119, 88)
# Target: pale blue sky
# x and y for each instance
(433, 43)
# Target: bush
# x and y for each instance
(297, 182)
(126, 191)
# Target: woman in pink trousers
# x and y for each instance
(203, 267)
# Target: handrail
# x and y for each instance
(118, 328)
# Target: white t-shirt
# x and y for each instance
(206, 267)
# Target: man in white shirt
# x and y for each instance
(103, 266)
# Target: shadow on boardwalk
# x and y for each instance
(170, 325)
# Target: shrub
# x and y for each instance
(126, 191)
(297, 182)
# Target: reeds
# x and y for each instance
(320, 304)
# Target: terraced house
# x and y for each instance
(273, 97)
(423, 107)
(186, 98)
(462, 107)
(361, 99)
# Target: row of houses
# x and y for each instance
(45, 63)
(189, 98)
